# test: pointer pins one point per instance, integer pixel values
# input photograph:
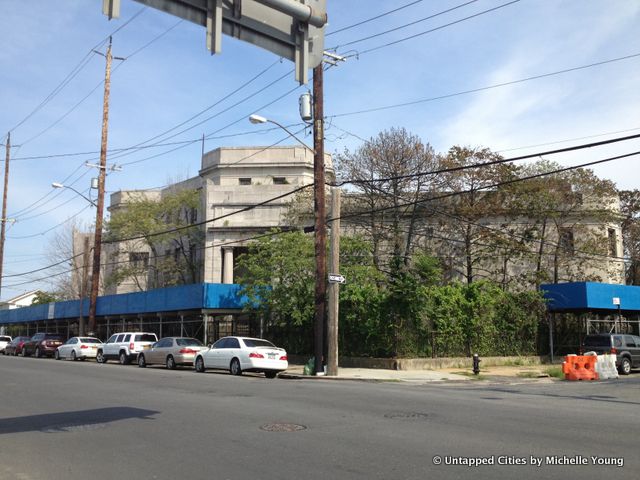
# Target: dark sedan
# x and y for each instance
(14, 347)
(42, 345)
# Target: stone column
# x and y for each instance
(227, 269)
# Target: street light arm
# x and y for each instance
(59, 185)
(292, 134)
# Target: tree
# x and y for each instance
(42, 298)
(630, 210)
(166, 251)
(387, 209)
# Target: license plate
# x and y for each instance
(271, 356)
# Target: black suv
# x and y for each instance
(625, 347)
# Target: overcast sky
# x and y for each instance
(168, 77)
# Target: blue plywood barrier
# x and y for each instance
(585, 296)
(182, 298)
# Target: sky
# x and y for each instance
(51, 94)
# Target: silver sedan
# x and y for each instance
(78, 348)
(171, 352)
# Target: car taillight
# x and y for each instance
(83, 346)
(131, 345)
(284, 357)
(614, 351)
(255, 355)
(187, 350)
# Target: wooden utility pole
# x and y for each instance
(3, 220)
(320, 219)
(97, 242)
(83, 283)
(334, 287)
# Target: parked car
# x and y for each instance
(171, 351)
(125, 346)
(4, 341)
(242, 354)
(625, 347)
(15, 346)
(42, 345)
(78, 348)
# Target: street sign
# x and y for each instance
(291, 29)
(336, 278)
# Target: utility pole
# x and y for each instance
(320, 218)
(83, 283)
(3, 220)
(97, 250)
(334, 287)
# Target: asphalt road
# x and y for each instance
(68, 420)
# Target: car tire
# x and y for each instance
(56, 355)
(199, 365)
(100, 358)
(37, 354)
(123, 358)
(234, 367)
(170, 363)
(270, 374)
(625, 366)
(142, 362)
(74, 357)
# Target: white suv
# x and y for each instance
(125, 346)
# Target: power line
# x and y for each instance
(373, 18)
(489, 87)
(39, 234)
(411, 37)
(75, 71)
(406, 25)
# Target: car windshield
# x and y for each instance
(147, 337)
(252, 342)
(597, 341)
(5, 339)
(189, 342)
(90, 340)
(53, 337)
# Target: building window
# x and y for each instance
(245, 181)
(613, 243)
(193, 215)
(566, 241)
(139, 259)
(280, 181)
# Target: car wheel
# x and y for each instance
(123, 358)
(73, 355)
(37, 353)
(234, 368)
(199, 365)
(142, 362)
(270, 374)
(625, 366)
(100, 358)
(56, 355)
(171, 363)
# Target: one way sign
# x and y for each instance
(336, 278)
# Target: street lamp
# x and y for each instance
(320, 226)
(60, 185)
(85, 260)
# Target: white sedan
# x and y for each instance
(242, 354)
(78, 348)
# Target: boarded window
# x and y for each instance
(139, 259)
(245, 181)
(566, 241)
(280, 180)
(613, 243)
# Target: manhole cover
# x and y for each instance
(282, 427)
(407, 415)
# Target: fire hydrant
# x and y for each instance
(476, 364)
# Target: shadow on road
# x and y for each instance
(69, 421)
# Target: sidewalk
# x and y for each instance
(519, 373)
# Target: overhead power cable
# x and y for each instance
(488, 87)
(75, 71)
(348, 27)
(406, 25)
(411, 37)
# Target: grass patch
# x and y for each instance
(555, 372)
(471, 375)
